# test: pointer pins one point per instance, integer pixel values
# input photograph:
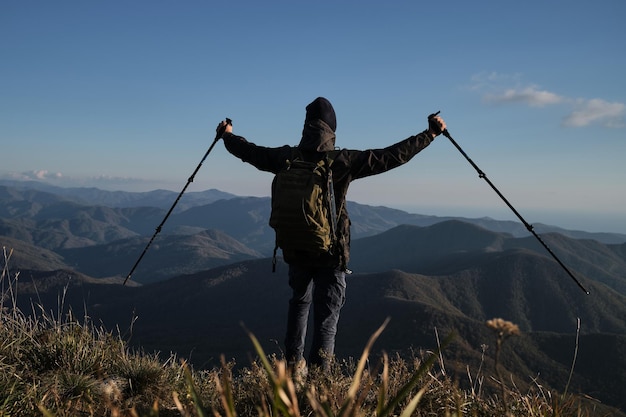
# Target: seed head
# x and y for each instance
(503, 327)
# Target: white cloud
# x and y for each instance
(529, 95)
(494, 81)
(506, 89)
(596, 111)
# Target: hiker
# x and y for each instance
(319, 279)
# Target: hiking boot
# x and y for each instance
(299, 372)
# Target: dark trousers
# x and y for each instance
(325, 288)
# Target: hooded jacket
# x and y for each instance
(348, 165)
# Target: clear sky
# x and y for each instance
(125, 95)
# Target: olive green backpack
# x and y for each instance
(303, 214)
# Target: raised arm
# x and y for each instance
(262, 157)
(375, 161)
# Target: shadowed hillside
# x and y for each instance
(415, 249)
(200, 316)
(447, 247)
(169, 256)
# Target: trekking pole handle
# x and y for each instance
(219, 134)
(433, 126)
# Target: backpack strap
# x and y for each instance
(330, 156)
(330, 193)
(274, 257)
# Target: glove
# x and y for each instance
(436, 124)
(223, 127)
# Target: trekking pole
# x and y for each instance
(189, 181)
(529, 227)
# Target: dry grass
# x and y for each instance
(58, 365)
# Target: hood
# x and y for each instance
(320, 108)
(317, 136)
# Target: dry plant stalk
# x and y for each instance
(503, 329)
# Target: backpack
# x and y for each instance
(303, 214)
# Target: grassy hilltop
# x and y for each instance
(61, 364)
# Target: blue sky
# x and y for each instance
(126, 96)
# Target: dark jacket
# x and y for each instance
(348, 165)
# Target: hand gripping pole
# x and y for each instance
(529, 227)
(189, 181)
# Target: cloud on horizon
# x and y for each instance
(102, 181)
(35, 175)
(496, 88)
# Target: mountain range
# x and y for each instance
(207, 276)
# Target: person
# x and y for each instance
(321, 280)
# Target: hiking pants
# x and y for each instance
(325, 288)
